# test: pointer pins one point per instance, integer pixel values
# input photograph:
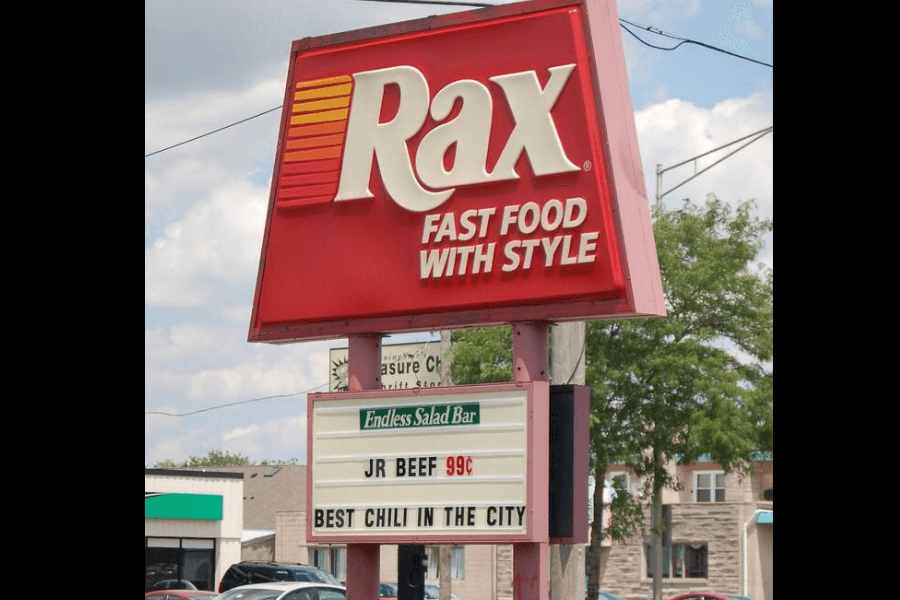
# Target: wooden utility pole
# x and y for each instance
(567, 367)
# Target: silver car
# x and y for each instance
(285, 590)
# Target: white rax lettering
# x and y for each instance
(368, 139)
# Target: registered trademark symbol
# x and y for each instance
(587, 166)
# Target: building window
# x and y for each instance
(709, 486)
(457, 562)
(330, 559)
(681, 560)
(619, 481)
(168, 562)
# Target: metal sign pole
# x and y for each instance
(364, 373)
(531, 580)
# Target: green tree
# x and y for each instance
(220, 458)
(213, 458)
(481, 355)
(698, 381)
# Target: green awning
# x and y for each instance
(206, 507)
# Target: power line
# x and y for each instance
(209, 408)
(681, 41)
(212, 132)
(483, 5)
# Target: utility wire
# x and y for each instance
(202, 410)
(483, 5)
(681, 41)
(213, 131)
(580, 356)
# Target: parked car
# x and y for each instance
(432, 592)
(286, 590)
(180, 595)
(173, 584)
(708, 596)
(248, 571)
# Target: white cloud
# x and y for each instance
(258, 371)
(267, 419)
(216, 243)
(289, 436)
(676, 130)
(170, 122)
(166, 188)
(172, 443)
(183, 342)
(240, 432)
(280, 439)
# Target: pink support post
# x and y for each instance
(364, 362)
(531, 577)
(363, 560)
(530, 362)
(363, 573)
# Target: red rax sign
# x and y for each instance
(467, 169)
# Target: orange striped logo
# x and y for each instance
(315, 141)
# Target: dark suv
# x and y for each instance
(246, 572)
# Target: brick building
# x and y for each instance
(720, 536)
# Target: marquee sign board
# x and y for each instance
(467, 464)
(467, 169)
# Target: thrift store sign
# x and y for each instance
(403, 366)
(426, 464)
(440, 172)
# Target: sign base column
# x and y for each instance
(363, 571)
(363, 560)
(531, 577)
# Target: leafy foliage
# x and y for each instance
(220, 458)
(217, 458)
(698, 381)
(481, 355)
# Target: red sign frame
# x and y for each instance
(476, 168)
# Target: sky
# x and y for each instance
(213, 63)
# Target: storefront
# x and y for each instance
(192, 527)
